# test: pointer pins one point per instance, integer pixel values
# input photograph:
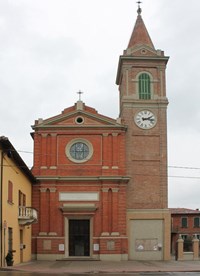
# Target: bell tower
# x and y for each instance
(143, 108)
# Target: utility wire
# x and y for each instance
(136, 174)
(143, 165)
(173, 167)
(186, 168)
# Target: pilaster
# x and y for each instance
(43, 214)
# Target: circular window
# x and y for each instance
(79, 120)
(79, 150)
(143, 51)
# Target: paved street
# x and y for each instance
(100, 268)
(21, 273)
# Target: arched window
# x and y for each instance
(144, 87)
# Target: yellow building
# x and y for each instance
(16, 213)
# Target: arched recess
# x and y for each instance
(145, 86)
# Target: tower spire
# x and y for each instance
(140, 35)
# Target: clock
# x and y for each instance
(145, 119)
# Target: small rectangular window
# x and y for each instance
(10, 192)
(184, 223)
(22, 199)
(184, 237)
(19, 198)
(197, 222)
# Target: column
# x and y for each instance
(195, 245)
(44, 151)
(52, 212)
(48, 151)
(105, 213)
(115, 211)
(115, 151)
(105, 152)
(180, 249)
(53, 151)
(43, 212)
(37, 150)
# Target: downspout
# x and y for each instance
(1, 209)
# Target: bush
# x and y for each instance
(9, 258)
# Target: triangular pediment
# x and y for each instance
(80, 118)
(141, 51)
(76, 118)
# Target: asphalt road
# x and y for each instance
(19, 273)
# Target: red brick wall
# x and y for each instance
(146, 150)
(177, 228)
(50, 152)
(108, 160)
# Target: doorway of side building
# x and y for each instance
(79, 237)
(21, 246)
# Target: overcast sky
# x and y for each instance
(49, 49)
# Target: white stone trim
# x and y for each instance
(79, 140)
(78, 196)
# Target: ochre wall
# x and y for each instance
(11, 210)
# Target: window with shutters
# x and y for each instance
(197, 222)
(144, 86)
(184, 222)
(22, 199)
(10, 192)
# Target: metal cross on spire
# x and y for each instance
(139, 10)
(79, 93)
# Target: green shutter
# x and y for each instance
(144, 87)
(197, 222)
(184, 223)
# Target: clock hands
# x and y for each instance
(148, 119)
(145, 119)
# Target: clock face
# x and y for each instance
(145, 119)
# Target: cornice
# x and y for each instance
(138, 58)
(142, 103)
(118, 127)
(107, 122)
(123, 179)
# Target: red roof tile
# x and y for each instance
(183, 211)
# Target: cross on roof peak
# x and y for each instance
(139, 10)
(79, 93)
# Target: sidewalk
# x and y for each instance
(56, 267)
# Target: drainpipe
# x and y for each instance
(1, 193)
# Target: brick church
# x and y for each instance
(101, 189)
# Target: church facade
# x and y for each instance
(101, 189)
